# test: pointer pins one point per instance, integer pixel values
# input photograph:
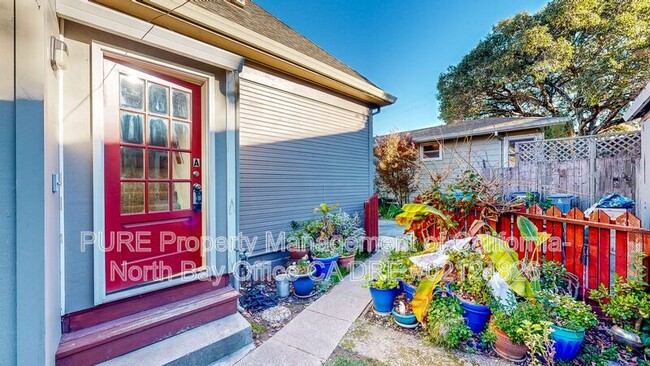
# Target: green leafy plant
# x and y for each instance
(382, 282)
(537, 337)
(445, 322)
(506, 262)
(628, 303)
(487, 338)
(424, 294)
(413, 212)
(300, 267)
(469, 267)
(389, 211)
(510, 321)
(566, 312)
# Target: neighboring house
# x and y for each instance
(184, 119)
(639, 108)
(476, 144)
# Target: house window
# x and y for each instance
(510, 149)
(431, 151)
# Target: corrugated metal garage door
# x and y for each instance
(296, 152)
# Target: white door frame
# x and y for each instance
(99, 50)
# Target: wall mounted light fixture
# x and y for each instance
(58, 54)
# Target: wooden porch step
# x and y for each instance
(101, 342)
(117, 309)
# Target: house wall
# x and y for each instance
(78, 156)
(7, 188)
(643, 175)
(473, 152)
(299, 146)
(29, 210)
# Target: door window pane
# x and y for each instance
(181, 135)
(181, 199)
(132, 162)
(158, 99)
(158, 132)
(181, 165)
(131, 92)
(158, 164)
(181, 104)
(132, 128)
(132, 197)
(158, 197)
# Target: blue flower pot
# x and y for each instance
(324, 266)
(303, 284)
(383, 299)
(409, 290)
(404, 319)
(476, 316)
(567, 342)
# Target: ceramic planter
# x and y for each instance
(622, 336)
(508, 350)
(297, 253)
(408, 289)
(324, 266)
(567, 342)
(347, 262)
(476, 316)
(383, 299)
(405, 320)
(303, 284)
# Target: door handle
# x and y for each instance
(197, 197)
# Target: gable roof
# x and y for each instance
(485, 126)
(640, 106)
(255, 18)
(252, 32)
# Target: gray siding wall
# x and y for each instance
(299, 146)
(473, 153)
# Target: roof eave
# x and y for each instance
(536, 124)
(192, 21)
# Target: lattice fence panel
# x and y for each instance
(602, 146)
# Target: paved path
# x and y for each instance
(312, 336)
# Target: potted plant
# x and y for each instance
(627, 304)
(383, 290)
(324, 257)
(298, 241)
(570, 320)
(403, 313)
(444, 320)
(302, 274)
(472, 287)
(346, 252)
(507, 323)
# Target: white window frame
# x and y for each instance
(505, 154)
(426, 158)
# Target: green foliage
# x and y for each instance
(382, 281)
(537, 337)
(506, 262)
(566, 312)
(628, 304)
(598, 356)
(396, 163)
(300, 267)
(387, 211)
(510, 322)
(487, 338)
(470, 284)
(424, 293)
(553, 277)
(580, 59)
(445, 322)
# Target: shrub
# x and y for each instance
(445, 322)
(396, 163)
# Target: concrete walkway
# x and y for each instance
(312, 336)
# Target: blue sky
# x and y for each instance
(400, 45)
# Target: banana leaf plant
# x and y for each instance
(417, 218)
(424, 294)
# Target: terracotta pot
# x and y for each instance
(347, 262)
(508, 350)
(297, 253)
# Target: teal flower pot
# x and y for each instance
(567, 342)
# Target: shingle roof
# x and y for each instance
(255, 18)
(485, 126)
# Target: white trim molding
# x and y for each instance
(208, 91)
(114, 22)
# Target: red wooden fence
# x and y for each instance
(371, 223)
(593, 247)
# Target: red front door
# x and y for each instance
(153, 176)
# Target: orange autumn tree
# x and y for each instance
(396, 162)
